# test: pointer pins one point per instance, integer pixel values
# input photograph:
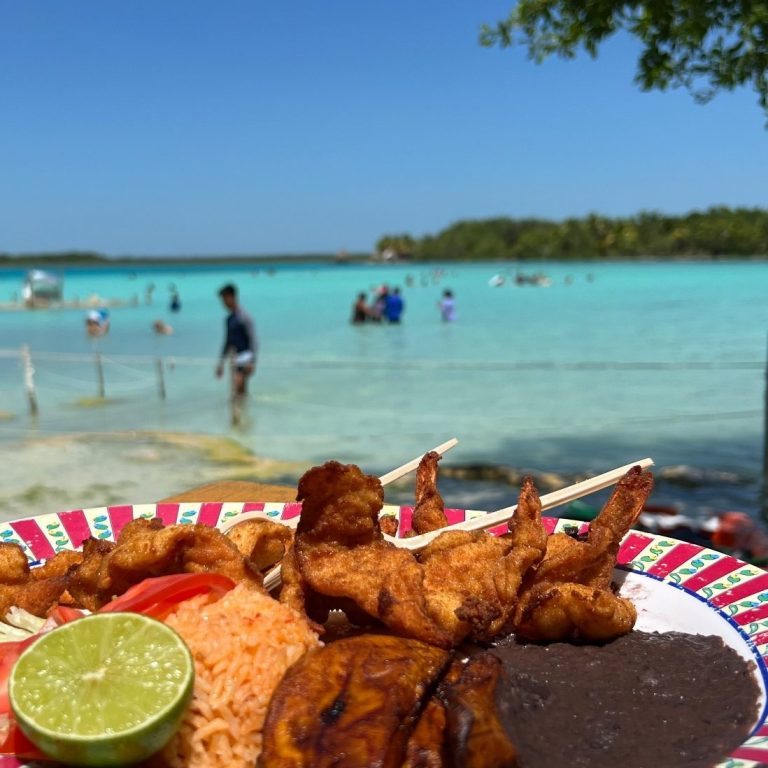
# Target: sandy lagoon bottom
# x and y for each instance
(57, 473)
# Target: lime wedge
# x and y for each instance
(108, 689)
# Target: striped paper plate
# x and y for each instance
(675, 585)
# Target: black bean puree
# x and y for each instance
(646, 700)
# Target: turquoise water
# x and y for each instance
(610, 363)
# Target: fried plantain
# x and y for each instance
(350, 704)
(475, 737)
(425, 746)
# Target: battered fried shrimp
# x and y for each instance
(58, 565)
(20, 586)
(569, 595)
(14, 566)
(429, 512)
(340, 552)
(591, 562)
(262, 542)
(574, 611)
(470, 582)
(389, 525)
(89, 582)
(36, 596)
(461, 584)
(146, 548)
(350, 704)
(473, 579)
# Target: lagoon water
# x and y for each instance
(609, 363)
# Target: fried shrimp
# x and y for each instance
(340, 552)
(147, 548)
(429, 512)
(569, 595)
(33, 590)
(462, 584)
(262, 542)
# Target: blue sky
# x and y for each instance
(149, 127)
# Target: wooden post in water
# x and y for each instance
(160, 378)
(29, 380)
(100, 375)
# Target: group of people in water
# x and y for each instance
(388, 306)
(97, 320)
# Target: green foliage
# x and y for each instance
(702, 45)
(401, 245)
(718, 232)
(68, 257)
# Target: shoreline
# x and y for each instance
(145, 466)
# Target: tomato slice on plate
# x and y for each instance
(158, 596)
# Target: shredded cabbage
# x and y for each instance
(19, 625)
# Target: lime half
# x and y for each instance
(108, 689)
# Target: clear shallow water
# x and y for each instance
(519, 378)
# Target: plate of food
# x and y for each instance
(508, 647)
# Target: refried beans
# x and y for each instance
(644, 700)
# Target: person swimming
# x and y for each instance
(97, 322)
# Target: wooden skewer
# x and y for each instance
(492, 519)
(548, 501)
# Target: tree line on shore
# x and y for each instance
(719, 232)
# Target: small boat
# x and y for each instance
(41, 288)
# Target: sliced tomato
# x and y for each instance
(63, 614)
(9, 653)
(158, 596)
(17, 744)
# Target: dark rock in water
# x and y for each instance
(545, 481)
(681, 475)
(692, 477)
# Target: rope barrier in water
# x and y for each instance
(416, 364)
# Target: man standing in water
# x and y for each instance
(240, 342)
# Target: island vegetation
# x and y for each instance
(716, 233)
